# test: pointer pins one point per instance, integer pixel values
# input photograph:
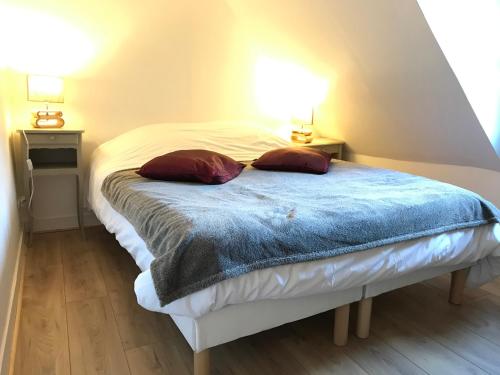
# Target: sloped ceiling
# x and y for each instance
(473, 53)
(395, 94)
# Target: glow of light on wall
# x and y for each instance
(5, 114)
(8, 120)
(34, 42)
(287, 91)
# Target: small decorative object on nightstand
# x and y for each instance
(330, 145)
(52, 152)
(46, 89)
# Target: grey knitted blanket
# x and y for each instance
(203, 234)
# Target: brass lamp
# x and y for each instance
(47, 89)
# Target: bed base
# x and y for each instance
(364, 318)
(201, 360)
(341, 321)
(457, 286)
(341, 325)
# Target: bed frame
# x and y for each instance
(235, 321)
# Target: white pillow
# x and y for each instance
(240, 140)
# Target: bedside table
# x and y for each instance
(330, 145)
(53, 152)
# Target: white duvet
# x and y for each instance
(246, 141)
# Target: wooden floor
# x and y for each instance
(80, 316)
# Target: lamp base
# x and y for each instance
(47, 119)
(302, 136)
(49, 124)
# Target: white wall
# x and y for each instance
(162, 61)
(10, 232)
(158, 61)
(392, 93)
(483, 181)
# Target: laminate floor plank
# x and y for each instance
(373, 355)
(80, 316)
(145, 361)
(42, 345)
(492, 301)
(445, 329)
(325, 359)
(328, 357)
(376, 357)
(138, 327)
(46, 250)
(480, 316)
(158, 359)
(243, 357)
(83, 277)
(492, 288)
(94, 341)
(424, 351)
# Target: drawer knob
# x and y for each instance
(52, 137)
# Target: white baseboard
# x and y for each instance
(47, 224)
(9, 339)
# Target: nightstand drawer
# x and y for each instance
(327, 148)
(335, 149)
(55, 139)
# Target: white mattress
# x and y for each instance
(480, 245)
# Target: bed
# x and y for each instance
(266, 297)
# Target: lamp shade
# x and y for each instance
(303, 115)
(45, 89)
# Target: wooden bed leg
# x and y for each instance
(341, 327)
(202, 362)
(457, 286)
(364, 318)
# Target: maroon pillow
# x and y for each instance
(295, 159)
(192, 165)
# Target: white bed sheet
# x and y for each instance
(479, 245)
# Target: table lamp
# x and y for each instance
(302, 132)
(47, 89)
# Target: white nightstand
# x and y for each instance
(330, 145)
(53, 152)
